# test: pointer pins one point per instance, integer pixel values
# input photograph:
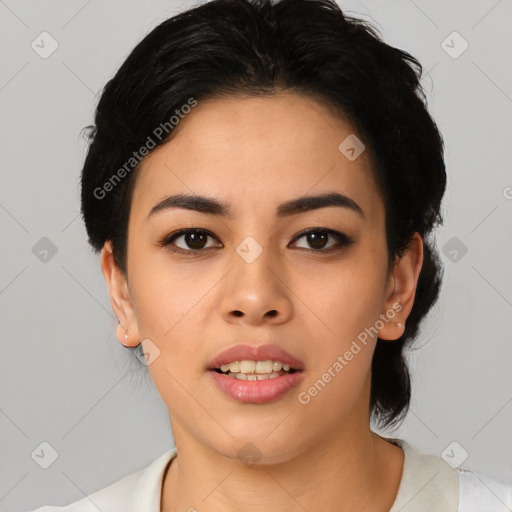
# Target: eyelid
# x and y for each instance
(168, 239)
(344, 240)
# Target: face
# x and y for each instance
(309, 280)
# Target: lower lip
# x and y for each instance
(256, 391)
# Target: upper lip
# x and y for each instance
(255, 353)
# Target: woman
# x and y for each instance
(262, 183)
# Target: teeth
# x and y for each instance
(276, 365)
(263, 367)
(254, 376)
(247, 367)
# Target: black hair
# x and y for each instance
(258, 47)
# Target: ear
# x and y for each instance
(127, 330)
(401, 289)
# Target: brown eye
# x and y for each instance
(192, 239)
(317, 239)
(195, 240)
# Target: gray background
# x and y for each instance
(64, 377)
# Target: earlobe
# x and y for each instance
(404, 281)
(120, 300)
(125, 338)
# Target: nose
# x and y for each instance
(254, 293)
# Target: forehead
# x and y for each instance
(257, 151)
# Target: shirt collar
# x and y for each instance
(148, 489)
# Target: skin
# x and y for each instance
(254, 153)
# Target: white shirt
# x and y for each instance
(428, 484)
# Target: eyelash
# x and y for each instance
(343, 240)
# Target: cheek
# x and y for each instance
(349, 301)
(344, 299)
(171, 308)
(348, 306)
(163, 298)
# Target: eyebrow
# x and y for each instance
(302, 204)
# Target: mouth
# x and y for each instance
(259, 359)
(255, 370)
(255, 374)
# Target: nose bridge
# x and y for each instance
(252, 262)
(254, 289)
